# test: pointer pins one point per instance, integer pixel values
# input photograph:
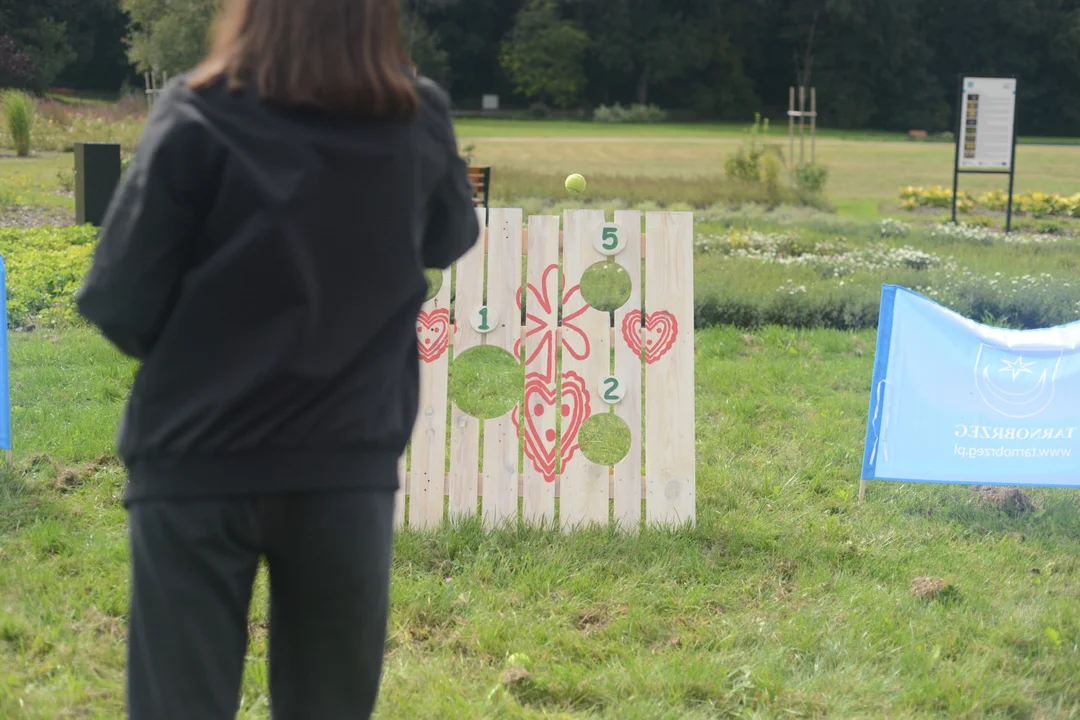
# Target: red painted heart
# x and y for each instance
(540, 448)
(661, 331)
(433, 333)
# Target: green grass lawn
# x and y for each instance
(788, 598)
(491, 127)
(864, 181)
(34, 180)
(866, 169)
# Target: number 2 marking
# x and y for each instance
(611, 394)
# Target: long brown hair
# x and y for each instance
(343, 56)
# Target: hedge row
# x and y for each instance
(743, 278)
(45, 267)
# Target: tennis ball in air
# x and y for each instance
(575, 184)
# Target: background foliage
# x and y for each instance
(876, 63)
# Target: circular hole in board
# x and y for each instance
(486, 382)
(605, 439)
(606, 286)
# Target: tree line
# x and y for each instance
(883, 64)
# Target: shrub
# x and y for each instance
(641, 114)
(19, 113)
(44, 269)
(811, 177)
(994, 200)
(1033, 203)
(892, 228)
(912, 198)
(748, 163)
(65, 180)
(750, 278)
(16, 66)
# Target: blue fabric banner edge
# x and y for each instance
(881, 371)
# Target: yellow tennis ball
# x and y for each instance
(575, 184)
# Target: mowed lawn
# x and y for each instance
(866, 169)
(864, 175)
(788, 598)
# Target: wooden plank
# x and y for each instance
(541, 300)
(586, 361)
(627, 474)
(465, 429)
(428, 460)
(399, 496)
(521, 484)
(559, 335)
(500, 500)
(669, 372)
(525, 243)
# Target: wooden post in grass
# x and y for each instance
(575, 367)
(862, 491)
(791, 131)
(802, 125)
(802, 114)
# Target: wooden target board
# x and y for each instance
(577, 362)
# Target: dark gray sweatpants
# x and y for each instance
(193, 567)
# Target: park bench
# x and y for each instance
(480, 176)
(917, 134)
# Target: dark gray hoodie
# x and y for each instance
(266, 266)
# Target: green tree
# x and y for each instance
(52, 51)
(169, 35)
(545, 55)
(642, 44)
(425, 48)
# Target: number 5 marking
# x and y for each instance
(611, 240)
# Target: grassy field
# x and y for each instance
(530, 160)
(864, 176)
(788, 598)
(484, 127)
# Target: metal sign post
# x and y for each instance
(986, 133)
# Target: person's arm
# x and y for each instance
(147, 236)
(451, 228)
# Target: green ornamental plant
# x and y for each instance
(19, 113)
(756, 161)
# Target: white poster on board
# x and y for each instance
(988, 112)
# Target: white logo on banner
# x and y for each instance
(1014, 384)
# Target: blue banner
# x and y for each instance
(5, 381)
(954, 401)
